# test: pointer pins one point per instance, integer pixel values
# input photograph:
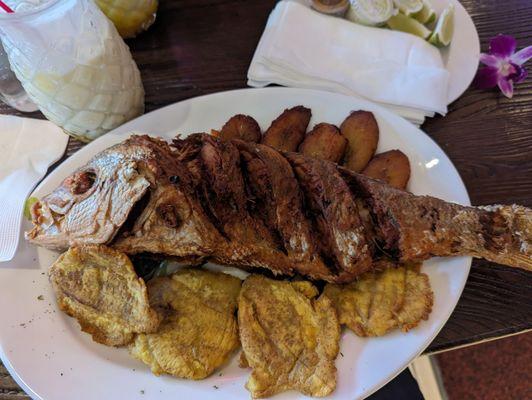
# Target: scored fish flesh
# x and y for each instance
(248, 205)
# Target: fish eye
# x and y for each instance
(169, 215)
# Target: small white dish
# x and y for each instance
(461, 57)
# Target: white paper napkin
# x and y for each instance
(303, 48)
(27, 148)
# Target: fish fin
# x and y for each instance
(516, 224)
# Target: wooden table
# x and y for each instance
(204, 46)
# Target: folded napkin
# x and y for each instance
(303, 48)
(28, 147)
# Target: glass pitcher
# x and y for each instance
(74, 65)
(11, 91)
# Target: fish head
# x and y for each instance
(91, 205)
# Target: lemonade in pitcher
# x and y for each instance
(73, 64)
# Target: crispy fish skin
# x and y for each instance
(197, 205)
(245, 238)
(275, 196)
(415, 228)
(391, 297)
(172, 222)
(289, 338)
(198, 332)
(288, 130)
(99, 287)
(336, 218)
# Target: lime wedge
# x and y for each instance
(443, 33)
(427, 15)
(409, 7)
(370, 12)
(30, 201)
(401, 22)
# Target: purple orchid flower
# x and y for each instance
(504, 66)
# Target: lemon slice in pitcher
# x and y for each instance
(427, 15)
(443, 33)
(401, 22)
(129, 16)
(409, 7)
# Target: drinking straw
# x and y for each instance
(5, 7)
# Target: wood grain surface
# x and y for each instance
(198, 47)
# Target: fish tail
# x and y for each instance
(507, 235)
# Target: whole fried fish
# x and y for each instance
(249, 205)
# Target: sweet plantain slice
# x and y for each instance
(362, 133)
(241, 127)
(288, 130)
(391, 167)
(325, 142)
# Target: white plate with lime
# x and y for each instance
(444, 23)
(462, 54)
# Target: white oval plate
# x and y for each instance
(51, 359)
(461, 57)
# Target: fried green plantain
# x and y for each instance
(290, 340)
(99, 287)
(383, 300)
(198, 332)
